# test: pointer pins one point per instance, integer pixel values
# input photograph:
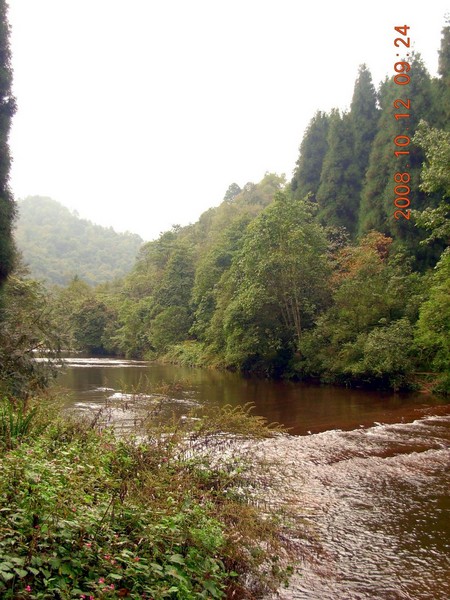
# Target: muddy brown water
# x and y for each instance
(373, 469)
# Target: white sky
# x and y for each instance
(140, 113)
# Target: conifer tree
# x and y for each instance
(444, 81)
(372, 214)
(313, 148)
(364, 116)
(377, 206)
(338, 194)
(7, 110)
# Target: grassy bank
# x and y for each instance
(86, 514)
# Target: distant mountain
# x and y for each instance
(57, 245)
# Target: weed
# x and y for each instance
(90, 515)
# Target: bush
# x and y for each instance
(433, 327)
(86, 514)
(442, 385)
(187, 354)
(27, 332)
(388, 355)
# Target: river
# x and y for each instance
(372, 470)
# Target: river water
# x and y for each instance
(372, 470)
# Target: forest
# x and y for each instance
(57, 245)
(340, 275)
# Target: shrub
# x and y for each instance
(27, 332)
(86, 514)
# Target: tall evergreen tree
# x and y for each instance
(364, 116)
(313, 148)
(372, 215)
(7, 110)
(444, 81)
(338, 194)
(377, 206)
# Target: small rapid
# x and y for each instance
(367, 473)
(378, 511)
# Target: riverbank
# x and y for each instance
(192, 354)
(370, 508)
(88, 515)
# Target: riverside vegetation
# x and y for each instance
(312, 278)
(88, 515)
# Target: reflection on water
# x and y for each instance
(303, 408)
(372, 471)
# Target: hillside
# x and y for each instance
(57, 245)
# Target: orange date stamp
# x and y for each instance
(402, 141)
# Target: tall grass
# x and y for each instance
(15, 422)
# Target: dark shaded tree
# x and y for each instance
(90, 321)
(338, 195)
(364, 116)
(28, 330)
(443, 83)
(377, 206)
(313, 149)
(7, 110)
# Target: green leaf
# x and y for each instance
(174, 572)
(55, 562)
(212, 588)
(156, 567)
(20, 572)
(177, 559)
(66, 569)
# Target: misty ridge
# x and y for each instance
(57, 245)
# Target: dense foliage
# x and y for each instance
(57, 245)
(30, 338)
(85, 514)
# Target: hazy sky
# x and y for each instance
(140, 113)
